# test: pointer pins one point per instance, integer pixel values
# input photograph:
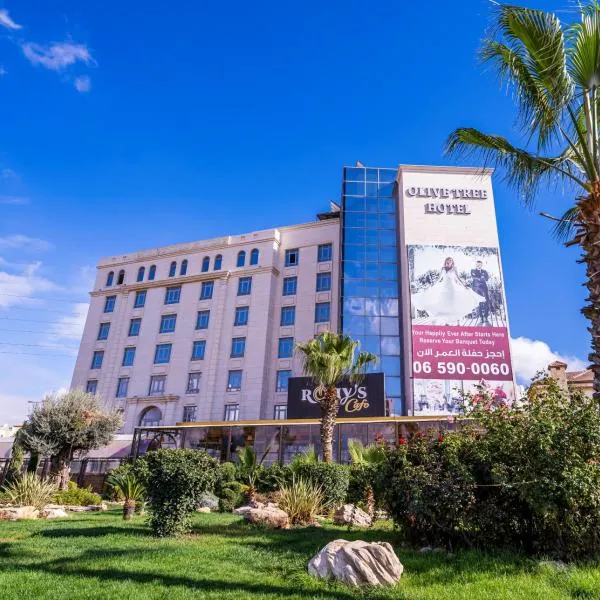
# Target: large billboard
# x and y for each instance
(365, 398)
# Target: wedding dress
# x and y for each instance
(448, 300)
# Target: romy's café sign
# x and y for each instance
(447, 201)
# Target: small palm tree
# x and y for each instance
(131, 488)
(249, 466)
(369, 457)
(328, 359)
(554, 70)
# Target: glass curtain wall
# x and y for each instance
(370, 291)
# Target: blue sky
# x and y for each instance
(130, 125)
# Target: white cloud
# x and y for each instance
(16, 289)
(7, 22)
(70, 327)
(14, 200)
(3, 71)
(83, 84)
(58, 56)
(24, 242)
(531, 356)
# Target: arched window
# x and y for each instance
(173, 269)
(205, 264)
(141, 272)
(110, 278)
(150, 417)
(121, 277)
(241, 259)
(254, 256)
(152, 273)
(218, 262)
(183, 269)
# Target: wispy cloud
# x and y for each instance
(8, 174)
(14, 200)
(6, 21)
(83, 83)
(3, 71)
(24, 242)
(57, 56)
(18, 289)
(70, 327)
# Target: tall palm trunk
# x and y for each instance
(329, 411)
(370, 501)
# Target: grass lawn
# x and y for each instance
(99, 556)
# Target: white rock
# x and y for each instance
(357, 563)
(203, 509)
(19, 512)
(349, 514)
(266, 514)
(53, 513)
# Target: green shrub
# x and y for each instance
(273, 477)
(30, 490)
(138, 468)
(76, 496)
(302, 499)
(332, 478)
(228, 490)
(176, 481)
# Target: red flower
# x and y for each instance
(440, 438)
(421, 434)
(402, 440)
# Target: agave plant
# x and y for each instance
(131, 488)
(302, 500)
(367, 456)
(30, 490)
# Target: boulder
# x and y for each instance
(208, 500)
(357, 563)
(53, 513)
(266, 514)
(203, 509)
(19, 512)
(352, 515)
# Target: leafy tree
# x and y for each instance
(328, 359)
(554, 70)
(17, 459)
(63, 424)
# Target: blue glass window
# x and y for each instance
(167, 323)
(238, 347)
(97, 359)
(198, 350)
(202, 319)
(241, 316)
(122, 387)
(162, 354)
(103, 331)
(286, 347)
(109, 304)
(322, 312)
(110, 278)
(288, 316)
(232, 411)
(292, 257)
(355, 173)
(134, 327)
(241, 259)
(140, 275)
(206, 291)
(281, 384)
(244, 286)
(140, 299)
(205, 264)
(172, 295)
(325, 252)
(234, 384)
(323, 282)
(183, 268)
(91, 386)
(152, 273)
(128, 356)
(173, 269)
(289, 285)
(218, 262)
(254, 256)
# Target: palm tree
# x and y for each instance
(367, 457)
(131, 488)
(327, 360)
(249, 466)
(554, 70)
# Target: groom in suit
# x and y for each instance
(479, 279)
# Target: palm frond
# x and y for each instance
(565, 226)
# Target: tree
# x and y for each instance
(17, 459)
(327, 360)
(367, 458)
(250, 467)
(63, 424)
(130, 487)
(554, 70)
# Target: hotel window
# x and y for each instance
(122, 387)
(205, 264)
(238, 347)
(232, 412)
(325, 252)
(162, 354)
(286, 347)
(281, 383)
(167, 323)
(206, 291)
(280, 412)
(140, 275)
(288, 316)
(152, 273)
(128, 356)
(140, 299)
(110, 278)
(121, 277)
(254, 256)
(234, 381)
(193, 384)
(91, 386)
(289, 285)
(103, 331)
(202, 319)
(322, 312)
(109, 304)
(198, 350)
(218, 262)
(323, 282)
(241, 316)
(189, 413)
(292, 257)
(173, 269)
(183, 268)
(97, 359)
(172, 295)
(134, 327)
(241, 259)
(244, 286)
(157, 385)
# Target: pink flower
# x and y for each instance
(402, 440)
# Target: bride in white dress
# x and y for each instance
(449, 299)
